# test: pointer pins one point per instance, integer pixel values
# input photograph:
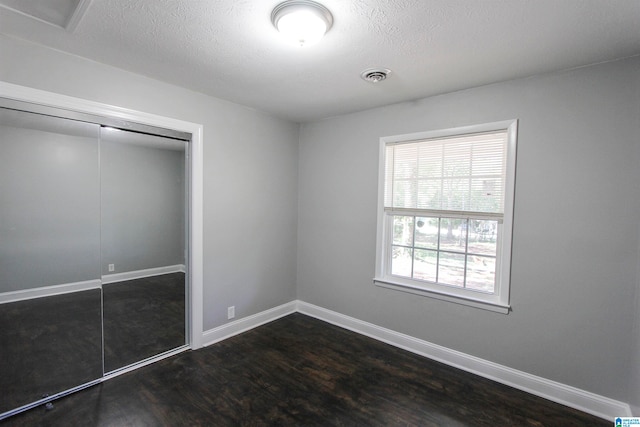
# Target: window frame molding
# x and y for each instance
(499, 301)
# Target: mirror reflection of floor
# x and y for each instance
(142, 318)
(48, 345)
(51, 344)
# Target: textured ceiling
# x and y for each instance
(229, 49)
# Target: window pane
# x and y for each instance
(481, 273)
(404, 194)
(425, 265)
(489, 154)
(464, 172)
(430, 160)
(427, 232)
(483, 237)
(429, 194)
(401, 261)
(405, 161)
(453, 234)
(456, 194)
(486, 194)
(403, 230)
(451, 269)
(457, 158)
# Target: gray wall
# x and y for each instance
(635, 368)
(49, 201)
(575, 240)
(634, 378)
(142, 202)
(250, 173)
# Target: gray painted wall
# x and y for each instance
(49, 201)
(575, 240)
(250, 173)
(635, 366)
(634, 377)
(142, 202)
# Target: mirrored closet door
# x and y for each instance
(143, 245)
(92, 250)
(50, 311)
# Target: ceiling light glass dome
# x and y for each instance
(303, 22)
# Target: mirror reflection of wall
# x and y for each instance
(50, 199)
(92, 252)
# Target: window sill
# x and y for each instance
(497, 308)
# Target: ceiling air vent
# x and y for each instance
(375, 75)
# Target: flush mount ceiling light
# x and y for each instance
(375, 75)
(302, 21)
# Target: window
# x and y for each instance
(445, 214)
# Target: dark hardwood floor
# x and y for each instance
(304, 372)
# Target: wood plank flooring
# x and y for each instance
(304, 372)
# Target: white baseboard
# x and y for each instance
(140, 274)
(228, 330)
(48, 291)
(582, 400)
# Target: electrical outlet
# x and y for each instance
(112, 267)
(231, 312)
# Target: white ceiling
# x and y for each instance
(230, 50)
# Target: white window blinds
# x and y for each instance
(455, 174)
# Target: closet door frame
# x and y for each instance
(195, 208)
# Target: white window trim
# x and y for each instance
(497, 302)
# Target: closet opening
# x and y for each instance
(101, 243)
